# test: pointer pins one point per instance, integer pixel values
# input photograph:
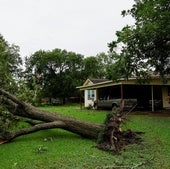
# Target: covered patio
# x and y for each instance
(149, 95)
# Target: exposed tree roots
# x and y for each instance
(122, 139)
(112, 138)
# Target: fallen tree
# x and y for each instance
(19, 108)
(111, 131)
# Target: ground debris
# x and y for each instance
(112, 138)
(123, 139)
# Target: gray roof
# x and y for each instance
(94, 81)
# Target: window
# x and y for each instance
(90, 94)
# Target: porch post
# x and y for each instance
(97, 97)
(152, 94)
(81, 100)
(121, 92)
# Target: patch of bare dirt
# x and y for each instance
(122, 139)
(112, 138)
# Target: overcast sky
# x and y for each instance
(81, 26)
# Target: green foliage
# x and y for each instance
(10, 71)
(28, 95)
(121, 68)
(91, 67)
(57, 72)
(97, 66)
(146, 45)
(10, 63)
(101, 134)
(7, 122)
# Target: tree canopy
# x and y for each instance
(56, 71)
(10, 65)
(145, 46)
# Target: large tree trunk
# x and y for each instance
(50, 119)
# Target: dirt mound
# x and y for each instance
(123, 139)
(112, 138)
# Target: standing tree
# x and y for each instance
(105, 61)
(57, 72)
(10, 69)
(10, 65)
(146, 45)
(96, 66)
(90, 68)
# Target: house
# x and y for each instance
(90, 94)
(146, 94)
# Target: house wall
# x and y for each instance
(89, 99)
(166, 97)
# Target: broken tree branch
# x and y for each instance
(11, 135)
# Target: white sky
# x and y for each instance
(81, 26)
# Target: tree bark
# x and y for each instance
(52, 120)
(43, 126)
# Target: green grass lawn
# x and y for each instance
(58, 149)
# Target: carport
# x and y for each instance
(147, 94)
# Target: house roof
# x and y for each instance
(94, 81)
(100, 83)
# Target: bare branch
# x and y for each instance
(43, 126)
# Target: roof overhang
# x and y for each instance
(131, 81)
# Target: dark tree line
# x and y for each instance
(59, 72)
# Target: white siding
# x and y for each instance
(89, 99)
